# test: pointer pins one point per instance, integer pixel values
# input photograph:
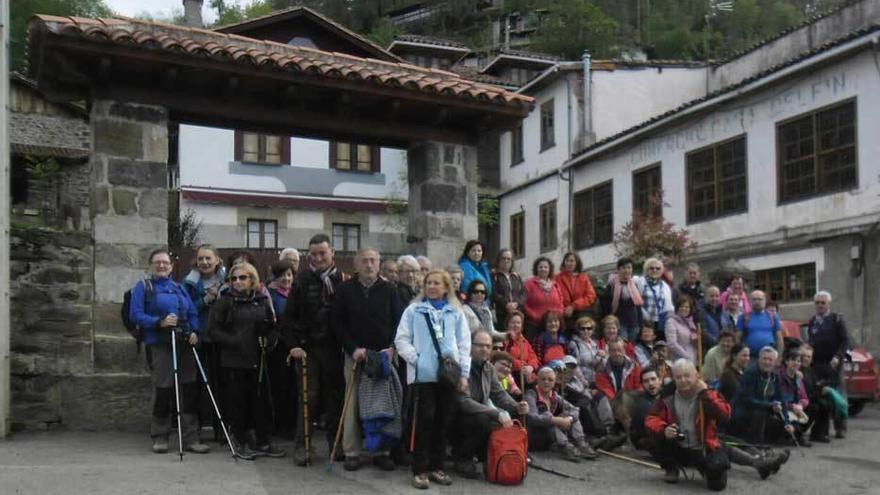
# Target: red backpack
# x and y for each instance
(506, 461)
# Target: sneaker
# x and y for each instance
(160, 445)
(384, 462)
(420, 481)
(440, 478)
(671, 475)
(467, 468)
(244, 452)
(352, 463)
(587, 452)
(300, 458)
(198, 448)
(571, 453)
(269, 450)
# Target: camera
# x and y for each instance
(680, 436)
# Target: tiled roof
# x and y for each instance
(473, 74)
(529, 54)
(429, 40)
(610, 64)
(270, 56)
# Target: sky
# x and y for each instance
(156, 8)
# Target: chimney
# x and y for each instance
(192, 13)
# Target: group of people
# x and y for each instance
(394, 358)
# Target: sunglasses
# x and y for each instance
(478, 291)
(240, 278)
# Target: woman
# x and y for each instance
(584, 348)
(163, 311)
(645, 345)
(681, 333)
(656, 294)
(525, 361)
(542, 295)
(623, 300)
(733, 370)
(794, 394)
(550, 344)
(436, 311)
(737, 286)
(203, 286)
(610, 333)
(283, 273)
(246, 257)
(509, 294)
(477, 311)
(457, 276)
(576, 288)
(283, 382)
(474, 266)
(242, 324)
(408, 272)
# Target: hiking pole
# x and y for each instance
(791, 434)
(539, 467)
(415, 413)
(632, 460)
(176, 391)
(214, 401)
(522, 380)
(345, 406)
(307, 434)
(702, 413)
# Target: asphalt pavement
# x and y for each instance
(68, 462)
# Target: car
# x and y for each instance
(859, 374)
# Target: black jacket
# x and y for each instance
(366, 317)
(829, 339)
(306, 320)
(236, 323)
(627, 312)
(504, 292)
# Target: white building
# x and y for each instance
(775, 170)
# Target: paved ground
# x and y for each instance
(103, 463)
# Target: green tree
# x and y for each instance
(571, 26)
(231, 12)
(21, 11)
(383, 32)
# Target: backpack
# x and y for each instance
(506, 461)
(135, 331)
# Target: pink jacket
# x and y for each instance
(539, 302)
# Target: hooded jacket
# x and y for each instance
(715, 410)
(415, 346)
(194, 284)
(236, 322)
(607, 384)
(166, 297)
(475, 271)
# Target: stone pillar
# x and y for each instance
(442, 199)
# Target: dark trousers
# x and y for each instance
(759, 426)
(671, 455)
(209, 354)
(326, 384)
(282, 381)
(247, 404)
(469, 435)
(435, 405)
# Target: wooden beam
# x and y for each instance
(231, 87)
(169, 78)
(393, 109)
(440, 117)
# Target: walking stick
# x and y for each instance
(214, 401)
(700, 374)
(415, 413)
(539, 467)
(522, 379)
(345, 406)
(176, 392)
(632, 460)
(307, 427)
(264, 371)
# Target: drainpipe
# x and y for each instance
(586, 59)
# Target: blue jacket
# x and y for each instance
(475, 271)
(194, 285)
(279, 301)
(757, 391)
(415, 346)
(167, 297)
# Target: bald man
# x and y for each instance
(760, 328)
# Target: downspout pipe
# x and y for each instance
(586, 60)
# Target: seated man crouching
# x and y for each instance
(684, 422)
(486, 406)
(553, 421)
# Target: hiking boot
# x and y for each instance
(467, 468)
(198, 448)
(420, 481)
(571, 453)
(781, 458)
(384, 462)
(613, 441)
(244, 452)
(841, 433)
(440, 477)
(805, 442)
(671, 475)
(160, 445)
(300, 458)
(820, 438)
(587, 452)
(352, 463)
(764, 465)
(269, 450)
(717, 483)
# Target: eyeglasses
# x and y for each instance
(586, 329)
(161, 262)
(654, 268)
(478, 291)
(481, 345)
(240, 278)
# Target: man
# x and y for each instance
(757, 403)
(760, 328)
(621, 372)
(553, 421)
(692, 286)
(710, 314)
(731, 313)
(820, 410)
(306, 325)
(642, 401)
(389, 271)
(713, 363)
(684, 423)
(365, 317)
(829, 338)
(594, 409)
(659, 362)
(484, 407)
(425, 265)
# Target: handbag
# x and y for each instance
(449, 371)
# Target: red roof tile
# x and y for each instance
(267, 55)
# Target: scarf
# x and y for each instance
(326, 278)
(281, 290)
(630, 287)
(546, 285)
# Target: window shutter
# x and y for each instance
(239, 145)
(376, 156)
(285, 150)
(332, 154)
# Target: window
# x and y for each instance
(817, 153)
(647, 191)
(548, 226)
(518, 235)
(516, 146)
(593, 217)
(788, 284)
(716, 180)
(354, 157)
(346, 237)
(262, 234)
(548, 134)
(267, 149)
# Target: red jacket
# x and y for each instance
(539, 302)
(631, 379)
(715, 409)
(576, 290)
(628, 349)
(523, 354)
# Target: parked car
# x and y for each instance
(859, 374)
